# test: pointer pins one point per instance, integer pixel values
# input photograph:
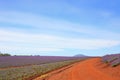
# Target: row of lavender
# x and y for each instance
(13, 61)
(113, 60)
(32, 71)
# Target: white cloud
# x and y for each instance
(29, 49)
(40, 21)
(51, 43)
(45, 42)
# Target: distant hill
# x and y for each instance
(80, 55)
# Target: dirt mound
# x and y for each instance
(91, 69)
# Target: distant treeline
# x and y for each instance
(4, 54)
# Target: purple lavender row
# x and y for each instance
(113, 59)
(12, 61)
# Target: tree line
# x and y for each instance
(4, 54)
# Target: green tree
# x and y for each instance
(4, 54)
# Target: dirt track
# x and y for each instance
(85, 70)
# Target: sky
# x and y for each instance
(60, 27)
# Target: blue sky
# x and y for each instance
(60, 27)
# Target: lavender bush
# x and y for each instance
(113, 60)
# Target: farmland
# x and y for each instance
(14, 61)
(57, 68)
(113, 59)
(25, 67)
(101, 68)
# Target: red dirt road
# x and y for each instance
(85, 70)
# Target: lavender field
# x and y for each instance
(113, 60)
(27, 67)
(15, 61)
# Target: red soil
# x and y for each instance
(91, 69)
